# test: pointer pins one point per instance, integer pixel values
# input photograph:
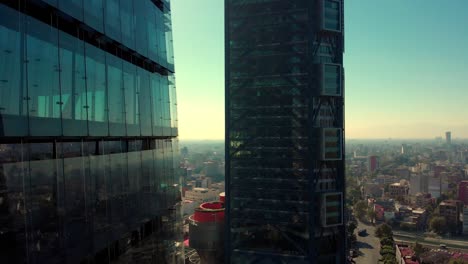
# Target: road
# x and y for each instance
(458, 244)
(369, 246)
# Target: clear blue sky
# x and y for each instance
(406, 65)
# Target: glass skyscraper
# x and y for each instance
(88, 132)
(284, 131)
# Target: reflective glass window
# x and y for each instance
(73, 85)
(43, 191)
(128, 20)
(144, 92)
(132, 108)
(152, 33)
(332, 79)
(72, 7)
(12, 88)
(160, 31)
(157, 104)
(12, 202)
(166, 116)
(112, 19)
(332, 15)
(96, 91)
(94, 14)
(100, 218)
(51, 2)
(141, 34)
(173, 101)
(168, 39)
(116, 96)
(44, 101)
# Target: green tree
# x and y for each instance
(386, 241)
(371, 214)
(360, 209)
(438, 224)
(384, 230)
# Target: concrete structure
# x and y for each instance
(201, 195)
(463, 192)
(465, 220)
(423, 199)
(399, 189)
(373, 163)
(448, 138)
(206, 231)
(452, 211)
(88, 126)
(284, 131)
(419, 183)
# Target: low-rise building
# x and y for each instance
(423, 199)
(201, 195)
(465, 220)
(405, 255)
(399, 189)
(451, 210)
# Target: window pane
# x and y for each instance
(143, 84)
(93, 14)
(127, 23)
(116, 96)
(72, 7)
(96, 91)
(142, 26)
(13, 109)
(112, 19)
(44, 100)
(157, 104)
(73, 86)
(131, 100)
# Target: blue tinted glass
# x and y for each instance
(157, 109)
(166, 116)
(72, 7)
(51, 2)
(13, 109)
(173, 101)
(116, 96)
(112, 19)
(96, 91)
(152, 33)
(161, 37)
(168, 40)
(132, 115)
(44, 101)
(73, 86)
(128, 21)
(143, 84)
(41, 185)
(94, 14)
(142, 26)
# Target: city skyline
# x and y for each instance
(420, 86)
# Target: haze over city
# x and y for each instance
(405, 66)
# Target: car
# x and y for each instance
(362, 232)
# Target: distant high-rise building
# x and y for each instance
(463, 192)
(88, 132)
(373, 163)
(448, 137)
(284, 131)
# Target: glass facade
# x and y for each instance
(284, 131)
(88, 132)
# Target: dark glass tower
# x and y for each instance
(88, 132)
(284, 131)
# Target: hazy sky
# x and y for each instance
(406, 66)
